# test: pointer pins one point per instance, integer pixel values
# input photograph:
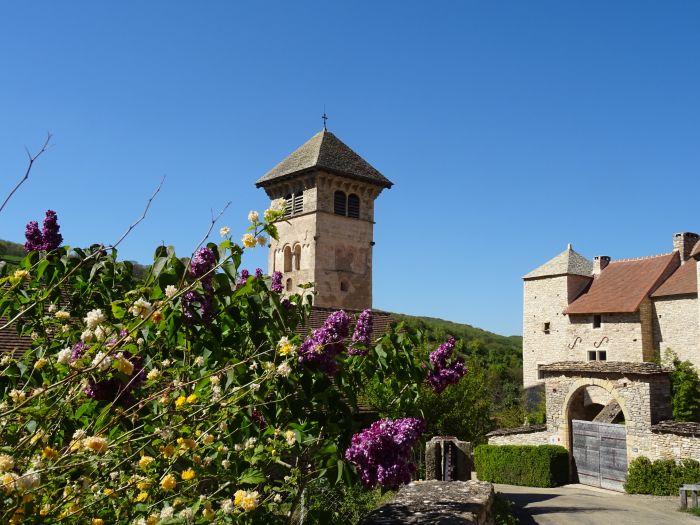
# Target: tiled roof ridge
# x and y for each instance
(642, 258)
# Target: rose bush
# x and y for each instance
(186, 397)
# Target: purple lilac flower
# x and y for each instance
(259, 419)
(201, 265)
(243, 278)
(33, 235)
(382, 452)
(79, 349)
(444, 374)
(50, 232)
(49, 239)
(362, 334)
(258, 273)
(276, 285)
(319, 350)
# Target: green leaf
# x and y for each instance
(83, 408)
(252, 476)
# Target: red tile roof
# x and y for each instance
(683, 281)
(10, 341)
(380, 320)
(623, 285)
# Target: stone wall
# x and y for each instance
(421, 502)
(663, 442)
(542, 437)
(676, 327)
(621, 336)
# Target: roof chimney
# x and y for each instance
(599, 263)
(683, 244)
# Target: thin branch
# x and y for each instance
(32, 158)
(143, 215)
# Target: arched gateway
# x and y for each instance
(601, 412)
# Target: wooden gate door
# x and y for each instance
(600, 454)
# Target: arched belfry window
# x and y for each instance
(287, 259)
(339, 203)
(294, 203)
(353, 206)
(297, 257)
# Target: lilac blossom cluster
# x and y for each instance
(362, 334)
(382, 452)
(243, 278)
(114, 389)
(319, 350)
(48, 238)
(444, 374)
(201, 265)
(276, 285)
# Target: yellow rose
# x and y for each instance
(98, 521)
(96, 444)
(143, 496)
(188, 474)
(49, 453)
(21, 274)
(249, 240)
(180, 401)
(145, 461)
(168, 482)
(192, 398)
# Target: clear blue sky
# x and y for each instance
(508, 128)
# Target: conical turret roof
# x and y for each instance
(567, 262)
(325, 151)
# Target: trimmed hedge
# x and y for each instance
(662, 477)
(527, 465)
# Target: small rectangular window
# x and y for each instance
(602, 355)
(546, 328)
(591, 355)
(596, 321)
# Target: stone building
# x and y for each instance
(630, 310)
(327, 237)
(593, 332)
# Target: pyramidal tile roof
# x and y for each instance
(325, 151)
(567, 262)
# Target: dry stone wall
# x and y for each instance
(675, 323)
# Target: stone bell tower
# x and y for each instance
(327, 237)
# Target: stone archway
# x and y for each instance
(640, 390)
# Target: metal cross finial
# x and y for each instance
(325, 119)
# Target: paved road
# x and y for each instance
(581, 505)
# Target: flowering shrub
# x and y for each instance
(382, 452)
(444, 372)
(187, 397)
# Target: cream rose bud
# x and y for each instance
(248, 240)
(262, 240)
(253, 216)
(170, 291)
(224, 231)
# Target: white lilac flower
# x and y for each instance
(227, 506)
(102, 361)
(167, 512)
(170, 291)
(224, 231)
(284, 369)
(141, 308)
(277, 498)
(100, 333)
(64, 356)
(29, 479)
(165, 362)
(94, 318)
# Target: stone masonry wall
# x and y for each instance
(529, 438)
(675, 324)
(624, 334)
(665, 446)
(544, 302)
